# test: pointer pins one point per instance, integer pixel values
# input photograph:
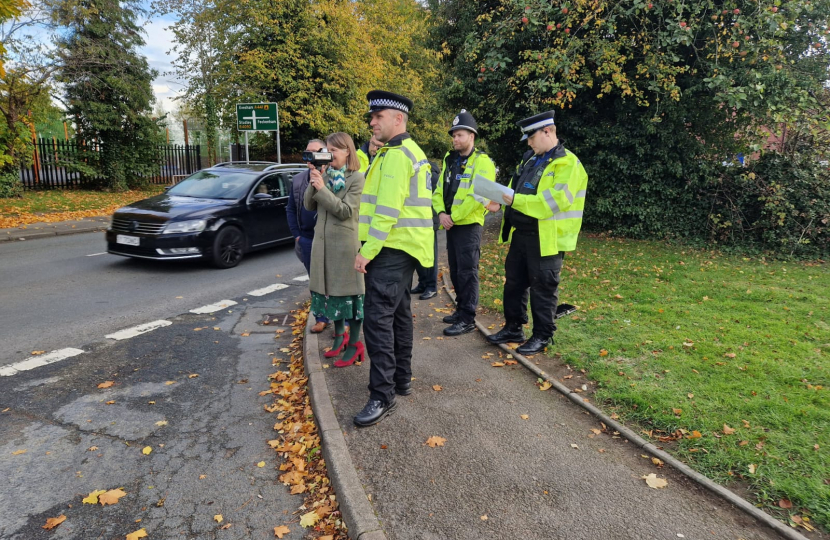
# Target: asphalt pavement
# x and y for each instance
(64, 291)
(189, 392)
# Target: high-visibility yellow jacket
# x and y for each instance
(363, 158)
(558, 203)
(396, 205)
(467, 207)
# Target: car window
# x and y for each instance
(272, 185)
(213, 184)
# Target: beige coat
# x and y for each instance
(335, 243)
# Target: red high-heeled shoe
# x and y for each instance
(359, 352)
(334, 352)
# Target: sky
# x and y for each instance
(159, 41)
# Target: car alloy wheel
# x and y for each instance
(228, 247)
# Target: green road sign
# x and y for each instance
(257, 117)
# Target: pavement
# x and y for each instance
(33, 231)
(513, 461)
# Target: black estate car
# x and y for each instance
(219, 213)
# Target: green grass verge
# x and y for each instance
(692, 340)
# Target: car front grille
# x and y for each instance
(136, 226)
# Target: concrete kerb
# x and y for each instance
(357, 512)
(49, 230)
(627, 433)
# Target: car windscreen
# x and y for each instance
(214, 184)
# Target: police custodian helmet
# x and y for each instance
(464, 120)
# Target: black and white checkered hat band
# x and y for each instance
(387, 104)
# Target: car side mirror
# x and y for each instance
(167, 188)
(262, 196)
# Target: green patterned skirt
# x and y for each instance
(337, 307)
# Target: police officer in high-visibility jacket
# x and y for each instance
(367, 152)
(461, 213)
(541, 221)
(395, 225)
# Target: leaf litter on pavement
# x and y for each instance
(298, 442)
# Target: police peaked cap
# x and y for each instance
(381, 99)
(532, 124)
(464, 120)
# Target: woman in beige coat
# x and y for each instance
(336, 287)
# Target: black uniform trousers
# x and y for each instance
(428, 277)
(526, 269)
(387, 322)
(463, 252)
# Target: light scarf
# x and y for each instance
(336, 178)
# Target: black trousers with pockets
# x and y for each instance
(463, 252)
(387, 321)
(525, 270)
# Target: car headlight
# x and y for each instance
(194, 225)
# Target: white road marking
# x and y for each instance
(218, 306)
(301, 278)
(269, 289)
(37, 361)
(128, 333)
(96, 254)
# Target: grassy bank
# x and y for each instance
(725, 361)
(60, 205)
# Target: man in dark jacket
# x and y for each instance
(302, 221)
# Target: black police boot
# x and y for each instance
(534, 345)
(508, 334)
(419, 289)
(459, 328)
(403, 389)
(373, 412)
(451, 319)
(428, 293)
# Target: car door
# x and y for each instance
(266, 211)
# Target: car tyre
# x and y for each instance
(228, 247)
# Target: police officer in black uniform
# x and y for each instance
(534, 263)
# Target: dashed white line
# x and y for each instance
(301, 278)
(37, 361)
(96, 254)
(128, 333)
(211, 308)
(269, 289)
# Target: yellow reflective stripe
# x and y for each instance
(457, 201)
(580, 194)
(417, 201)
(380, 235)
(364, 219)
(564, 187)
(387, 211)
(551, 201)
(371, 199)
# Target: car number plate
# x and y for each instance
(127, 240)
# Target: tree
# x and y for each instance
(653, 97)
(25, 80)
(107, 87)
(317, 60)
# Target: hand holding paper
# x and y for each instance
(490, 190)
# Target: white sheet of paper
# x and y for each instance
(490, 190)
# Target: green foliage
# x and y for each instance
(778, 203)
(107, 87)
(10, 185)
(317, 60)
(653, 98)
(678, 338)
